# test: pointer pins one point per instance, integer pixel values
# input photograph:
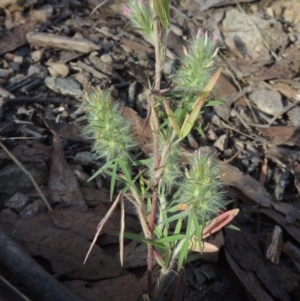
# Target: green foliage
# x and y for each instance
(197, 67)
(107, 127)
(140, 17)
(163, 12)
(189, 195)
(201, 189)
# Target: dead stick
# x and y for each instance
(33, 276)
(40, 100)
(28, 174)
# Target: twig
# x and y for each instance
(13, 288)
(101, 225)
(242, 91)
(40, 99)
(44, 286)
(283, 111)
(21, 166)
(234, 156)
(244, 134)
(98, 6)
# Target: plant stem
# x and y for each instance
(154, 124)
(155, 127)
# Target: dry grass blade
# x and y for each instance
(14, 289)
(98, 6)
(28, 174)
(122, 229)
(101, 225)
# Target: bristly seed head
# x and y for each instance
(201, 190)
(110, 130)
(197, 66)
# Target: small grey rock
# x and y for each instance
(64, 86)
(221, 143)
(294, 116)
(84, 158)
(106, 59)
(169, 67)
(32, 209)
(267, 101)
(13, 179)
(17, 202)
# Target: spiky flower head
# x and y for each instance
(201, 189)
(139, 13)
(197, 65)
(105, 124)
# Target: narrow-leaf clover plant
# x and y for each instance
(171, 187)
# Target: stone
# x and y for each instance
(221, 143)
(33, 209)
(84, 158)
(36, 55)
(57, 69)
(44, 13)
(267, 101)
(13, 179)
(106, 59)
(64, 86)
(250, 41)
(169, 67)
(17, 202)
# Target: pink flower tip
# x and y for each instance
(199, 33)
(126, 10)
(215, 38)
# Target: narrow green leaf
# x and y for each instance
(232, 227)
(102, 169)
(212, 103)
(200, 131)
(126, 171)
(143, 246)
(129, 235)
(149, 205)
(192, 257)
(142, 185)
(154, 243)
(176, 217)
(162, 10)
(178, 226)
(171, 238)
(185, 247)
(171, 117)
(198, 104)
(158, 232)
(113, 179)
(173, 208)
(198, 230)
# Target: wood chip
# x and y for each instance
(60, 42)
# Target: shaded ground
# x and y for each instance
(53, 51)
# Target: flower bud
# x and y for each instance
(197, 66)
(110, 130)
(126, 10)
(201, 192)
(140, 16)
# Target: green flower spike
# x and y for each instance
(105, 124)
(197, 66)
(139, 13)
(201, 192)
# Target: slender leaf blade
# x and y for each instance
(171, 117)
(198, 104)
